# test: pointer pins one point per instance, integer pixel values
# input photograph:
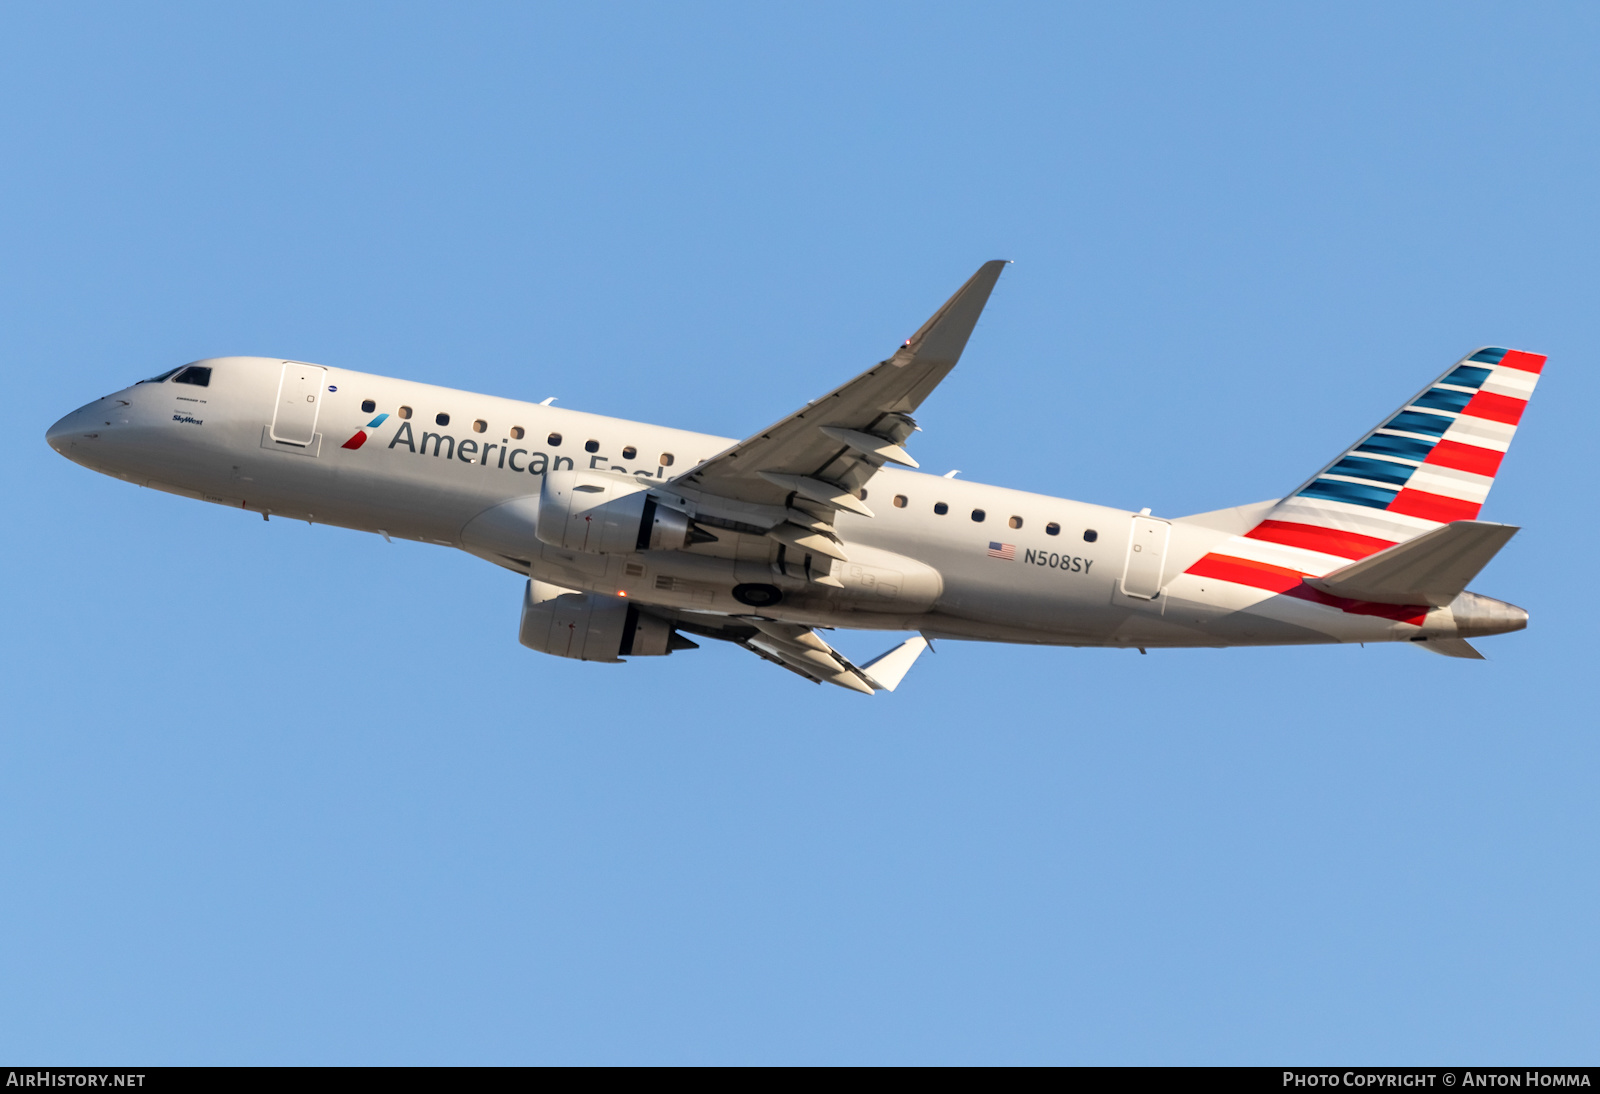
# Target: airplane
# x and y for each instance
(636, 539)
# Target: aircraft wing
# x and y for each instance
(802, 651)
(817, 459)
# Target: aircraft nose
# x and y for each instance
(56, 436)
(70, 430)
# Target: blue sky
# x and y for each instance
(286, 794)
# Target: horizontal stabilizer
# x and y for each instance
(1433, 568)
(887, 670)
(1451, 647)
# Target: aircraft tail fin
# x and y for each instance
(1433, 568)
(1429, 463)
(1425, 469)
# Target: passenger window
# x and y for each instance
(1016, 522)
(368, 406)
(441, 418)
(941, 508)
(554, 440)
(1052, 529)
(198, 375)
(591, 446)
(666, 459)
(978, 515)
(158, 379)
(404, 412)
(630, 452)
(899, 501)
(516, 433)
(480, 426)
(1090, 536)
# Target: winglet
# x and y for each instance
(945, 334)
(887, 670)
(941, 339)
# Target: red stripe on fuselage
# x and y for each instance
(1330, 541)
(1400, 613)
(1280, 579)
(1465, 457)
(1244, 571)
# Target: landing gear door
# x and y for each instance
(1147, 555)
(294, 420)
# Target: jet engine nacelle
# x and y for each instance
(606, 514)
(591, 627)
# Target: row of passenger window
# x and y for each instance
(979, 516)
(666, 459)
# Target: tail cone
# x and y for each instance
(1476, 616)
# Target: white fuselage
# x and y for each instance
(924, 562)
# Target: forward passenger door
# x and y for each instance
(294, 419)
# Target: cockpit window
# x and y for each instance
(158, 379)
(198, 375)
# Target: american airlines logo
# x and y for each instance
(360, 436)
(501, 456)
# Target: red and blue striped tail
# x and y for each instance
(1429, 463)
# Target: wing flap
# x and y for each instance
(831, 494)
(870, 444)
(806, 539)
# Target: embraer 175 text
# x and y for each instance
(634, 537)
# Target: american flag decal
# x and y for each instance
(1007, 551)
